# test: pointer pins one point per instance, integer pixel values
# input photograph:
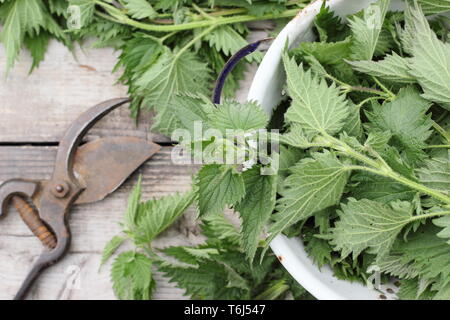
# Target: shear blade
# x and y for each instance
(104, 164)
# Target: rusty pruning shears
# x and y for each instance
(82, 174)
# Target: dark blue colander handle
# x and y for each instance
(231, 63)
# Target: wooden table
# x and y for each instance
(35, 111)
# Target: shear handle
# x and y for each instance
(48, 257)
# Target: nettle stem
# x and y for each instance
(381, 168)
(120, 17)
(346, 88)
(430, 215)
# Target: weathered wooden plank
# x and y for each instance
(92, 226)
(38, 107)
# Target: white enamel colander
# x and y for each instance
(266, 89)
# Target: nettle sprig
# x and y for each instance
(216, 269)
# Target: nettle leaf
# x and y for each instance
(58, 7)
(392, 68)
(132, 211)
(217, 187)
(295, 137)
(256, 207)
(427, 254)
(21, 16)
(366, 30)
(366, 224)
(319, 250)
(172, 74)
(110, 248)
(317, 107)
(396, 267)
(229, 41)
(159, 214)
(232, 115)
(315, 184)
(217, 226)
(140, 9)
(377, 140)
(209, 280)
(37, 45)
(436, 172)
(430, 62)
(329, 26)
(53, 28)
(352, 125)
(255, 8)
(138, 55)
(433, 6)
(327, 53)
(443, 222)
(182, 112)
(86, 9)
(378, 188)
(406, 120)
(132, 277)
(191, 255)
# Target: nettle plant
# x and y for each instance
(363, 174)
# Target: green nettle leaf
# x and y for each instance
(319, 250)
(430, 62)
(172, 74)
(217, 187)
(217, 226)
(159, 214)
(210, 280)
(191, 255)
(296, 138)
(87, 8)
(58, 7)
(132, 212)
(234, 280)
(229, 41)
(21, 16)
(132, 276)
(443, 222)
(378, 139)
(366, 30)
(256, 207)
(433, 6)
(352, 125)
(366, 224)
(315, 106)
(110, 248)
(37, 45)
(395, 266)
(232, 115)
(140, 9)
(327, 53)
(436, 172)
(329, 26)
(378, 188)
(392, 68)
(181, 113)
(406, 120)
(315, 184)
(424, 254)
